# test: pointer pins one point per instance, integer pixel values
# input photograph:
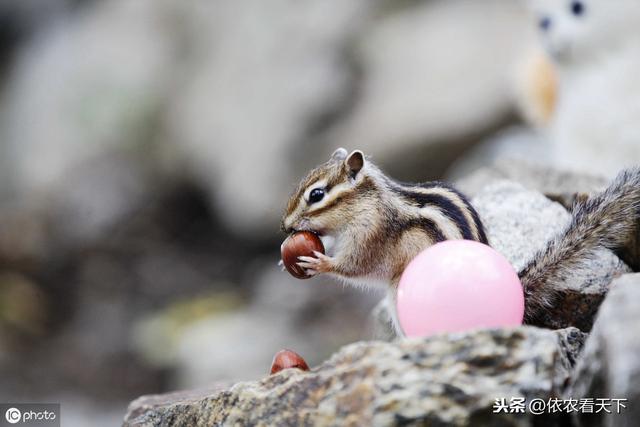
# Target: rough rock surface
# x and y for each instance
(521, 222)
(149, 403)
(610, 367)
(447, 379)
(546, 180)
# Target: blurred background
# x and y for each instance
(147, 149)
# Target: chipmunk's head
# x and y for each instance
(329, 197)
(574, 31)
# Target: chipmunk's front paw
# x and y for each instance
(321, 263)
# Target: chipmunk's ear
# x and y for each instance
(339, 155)
(355, 163)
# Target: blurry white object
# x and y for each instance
(595, 46)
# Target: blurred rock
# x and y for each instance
(91, 293)
(82, 209)
(312, 317)
(20, 19)
(609, 367)
(450, 379)
(156, 336)
(553, 183)
(24, 234)
(94, 198)
(70, 96)
(244, 97)
(433, 82)
(259, 80)
(521, 222)
(23, 307)
(79, 411)
(514, 144)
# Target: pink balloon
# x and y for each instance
(458, 285)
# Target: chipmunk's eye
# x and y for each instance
(316, 195)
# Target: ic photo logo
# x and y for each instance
(13, 415)
(30, 414)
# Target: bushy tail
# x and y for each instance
(610, 220)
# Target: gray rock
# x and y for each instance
(151, 402)
(519, 223)
(447, 379)
(80, 106)
(610, 366)
(416, 111)
(21, 19)
(196, 75)
(522, 155)
(549, 181)
(260, 82)
(515, 144)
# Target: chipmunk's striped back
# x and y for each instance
(451, 212)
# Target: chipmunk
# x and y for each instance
(372, 226)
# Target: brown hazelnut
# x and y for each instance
(300, 243)
(285, 359)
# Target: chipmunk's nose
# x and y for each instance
(287, 225)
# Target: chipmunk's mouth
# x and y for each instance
(305, 225)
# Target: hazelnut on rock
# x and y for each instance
(285, 359)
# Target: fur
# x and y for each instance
(378, 225)
(608, 220)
